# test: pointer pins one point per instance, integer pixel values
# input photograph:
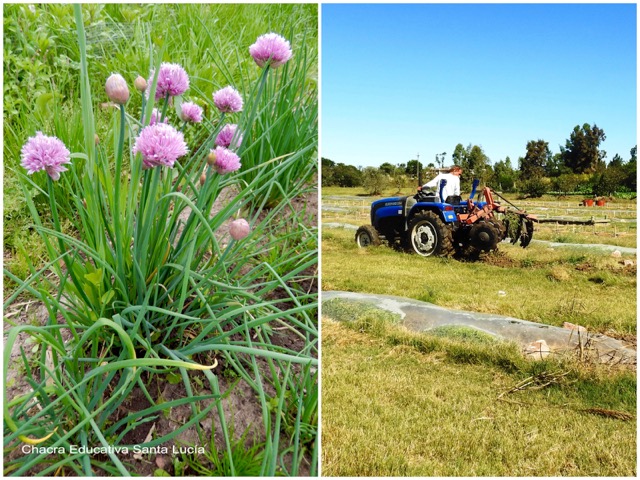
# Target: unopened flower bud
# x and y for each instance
(211, 159)
(203, 178)
(117, 89)
(140, 84)
(239, 229)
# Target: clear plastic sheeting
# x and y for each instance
(348, 226)
(594, 246)
(422, 316)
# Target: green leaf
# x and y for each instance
(42, 101)
(177, 102)
(174, 378)
(95, 278)
(107, 297)
(158, 472)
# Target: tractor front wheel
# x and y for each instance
(367, 236)
(428, 236)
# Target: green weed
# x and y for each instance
(463, 334)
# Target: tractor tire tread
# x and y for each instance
(371, 232)
(446, 247)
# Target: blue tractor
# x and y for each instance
(426, 225)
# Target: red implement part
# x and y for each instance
(474, 213)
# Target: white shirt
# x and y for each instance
(451, 188)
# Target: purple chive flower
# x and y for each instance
(225, 136)
(228, 100)
(239, 229)
(225, 160)
(45, 153)
(271, 47)
(155, 117)
(160, 145)
(172, 80)
(191, 112)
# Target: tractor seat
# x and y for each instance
(426, 196)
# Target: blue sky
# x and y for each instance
(398, 80)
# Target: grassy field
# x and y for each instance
(544, 285)
(392, 407)
(400, 403)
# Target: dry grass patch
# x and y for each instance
(389, 409)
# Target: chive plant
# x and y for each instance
(149, 284)
(280, 118)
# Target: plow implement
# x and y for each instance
(516, 224)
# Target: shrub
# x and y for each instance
(566, 183)
(608, 182)
(536, 187)
(374, 181)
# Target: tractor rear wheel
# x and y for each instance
(367, 236)
(428, 236)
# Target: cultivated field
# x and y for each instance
(399, 403)
(615, 222)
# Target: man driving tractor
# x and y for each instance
(452, 187)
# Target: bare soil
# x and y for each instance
(499, 259)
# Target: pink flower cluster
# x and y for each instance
(160, 145)
(155, 117)
(172, 80)
(45, 153)
(225, 161)
(271, 49)
(190, 112)
(225, 137)
(228, 100)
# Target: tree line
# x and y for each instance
(580, 167)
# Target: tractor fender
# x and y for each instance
(447, 216)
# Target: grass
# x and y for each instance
(541, 285)
(621, 235)
(403, 404)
